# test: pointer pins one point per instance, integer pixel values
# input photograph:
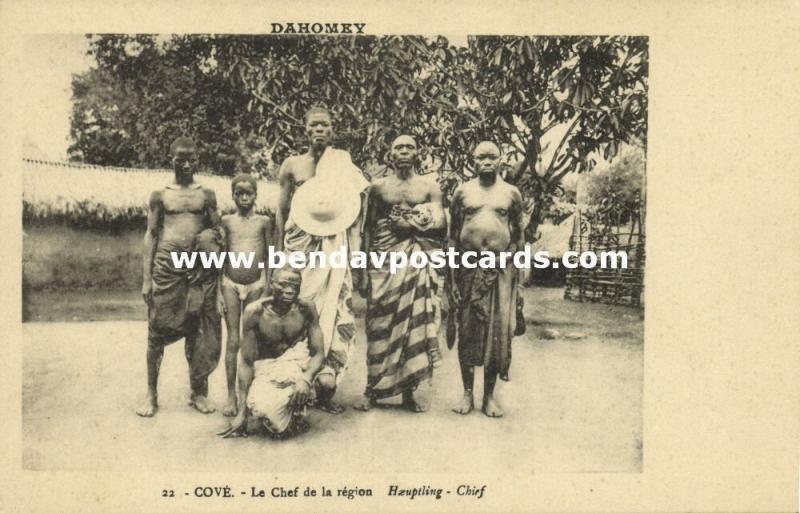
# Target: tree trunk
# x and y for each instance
(535, 221)
(530, 234)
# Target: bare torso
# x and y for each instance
(184, 214)
(487, 215)
(275, 333)
(246, 235)
(300, 169)
(391, 191)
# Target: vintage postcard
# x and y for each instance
(401, 257)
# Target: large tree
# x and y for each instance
(590, 92)
(144, 92)
(583, 96)
(376, 87)
(519, 91)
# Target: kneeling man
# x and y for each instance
(281, 354)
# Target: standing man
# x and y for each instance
(298, 169)
(326, 217)
(404, 214)
(485, 215)
(182, 303)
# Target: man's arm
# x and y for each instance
(456, 218)
(151, 236)
(225, 231)
(282, 212)
(355, 232)
(439, 219)
(516, 213)
(302, 388)
(316, 347)
(269, 231)
(369, 218)
(214, 220)
(362, 284)
(453, 234)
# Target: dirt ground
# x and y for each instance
(572, 405)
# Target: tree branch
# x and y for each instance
(557, 177)
(549, 126)
(548, 93)
(276, 107)
(519, 137)
(264, 99)
(550, 168)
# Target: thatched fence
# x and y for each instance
(615, 286)
(83, 226)
(104, 198)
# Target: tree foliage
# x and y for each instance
(590, 91)
(150, 92)
(614, 195)
(246, 95)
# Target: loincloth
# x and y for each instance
(184, 305)
(273, 385)
(402, 320)
(486, 316)
(244, 290)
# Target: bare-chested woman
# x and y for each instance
(182, 217)
(485, 215)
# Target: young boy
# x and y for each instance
(245, 232)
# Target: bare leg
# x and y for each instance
(199, 397)
(411, 404)
(490, 406)
(232, 317)
(155, 353)
(325, 388)
(467, 402)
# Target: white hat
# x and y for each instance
(325, 207)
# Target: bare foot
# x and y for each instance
(411, 404)
(230, 409)
(149, 407)
(301, 426)
(201, 404)
(466, 405)
(298, 427)
(491, 408)
(366, 404)
(330, 407)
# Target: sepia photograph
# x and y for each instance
(400, 257)
(306, 142)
